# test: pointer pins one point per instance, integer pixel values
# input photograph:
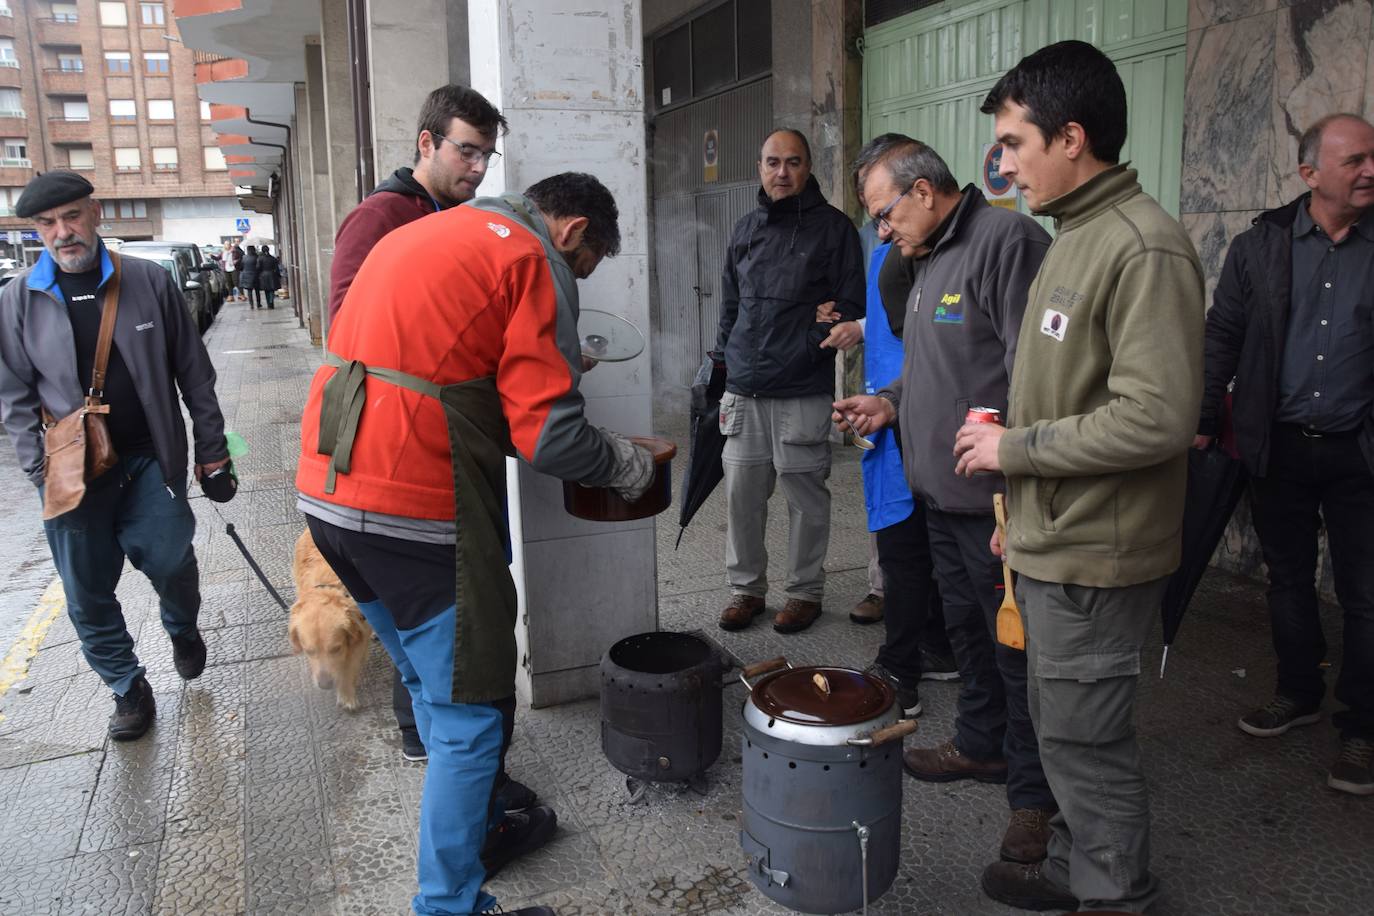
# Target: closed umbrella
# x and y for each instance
(704, 467)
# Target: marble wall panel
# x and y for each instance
(1229, 111)
(1321, 57)
(1212, 234)
(1202, 13)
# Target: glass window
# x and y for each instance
(16, 148)
(123, 110)
(204, 110)
(673, 67)
(7, 198)
(72, 63)
(127, 159)
(7, 52)
(80, 157)
(156, 62)
(152, 13)
(713, 49)
(124, 209)
(11, 103)
(165, 158)
(214, 159)
(118, 62)
(76, 110)
(161, 110)
(64, 12)
(755, 35)
(114, 14)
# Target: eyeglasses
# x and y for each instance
(472, 154)
(881, 218)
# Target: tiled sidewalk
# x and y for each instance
(255, 794)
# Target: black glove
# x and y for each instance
(221, 485)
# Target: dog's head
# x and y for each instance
(325, 632)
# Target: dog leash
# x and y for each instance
(243, 549)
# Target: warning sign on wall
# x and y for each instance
(1000, 191)
(710, 156)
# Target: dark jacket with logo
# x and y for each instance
(1246, 330)
(784, 259)
(959, 336)
(398, 200)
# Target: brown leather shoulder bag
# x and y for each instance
(77, 448)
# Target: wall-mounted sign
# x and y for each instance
(1000, 191)
(241, 225)
(710, 156)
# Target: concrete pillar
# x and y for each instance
(836, 99)
(302, 209)
(341, 135)
(408, 57)
(792, 85)
(321, 216)
(568, 76)
(459, 68)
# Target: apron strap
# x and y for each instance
(341, 408)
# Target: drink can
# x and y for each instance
(983, 415)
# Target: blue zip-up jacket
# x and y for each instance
(887, 496)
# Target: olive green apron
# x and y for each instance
(479, 440)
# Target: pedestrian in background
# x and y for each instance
(269, 276)
(233, 261)
(248, 277)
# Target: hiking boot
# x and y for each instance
(188, 654)
(740, 612)
(516, 796)
(796, 615)
(1027, 836)
(1353, 770)
(1024, 887)
(134, 712)
(869, 610)
(947, 763)
(938, 666)
(412, 748)
(907, 697)
(1278, 717)
(518, 833)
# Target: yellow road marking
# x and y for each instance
(15, 665)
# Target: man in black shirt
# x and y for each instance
(49, 324)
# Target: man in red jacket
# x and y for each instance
(456, 141)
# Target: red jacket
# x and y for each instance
(485, 299)
(398, 200)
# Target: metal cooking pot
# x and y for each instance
(822, 785)
(602, 504)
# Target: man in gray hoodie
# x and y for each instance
(959, 339)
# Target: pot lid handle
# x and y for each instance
(896, 731)
(761, 668)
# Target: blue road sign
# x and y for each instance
(241, 225)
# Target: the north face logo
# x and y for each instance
(503, 231)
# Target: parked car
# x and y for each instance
(202, 269)
(177, 262)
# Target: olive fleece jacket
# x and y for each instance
(1105, 392)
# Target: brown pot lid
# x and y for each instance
(662, 449)
(823, 696)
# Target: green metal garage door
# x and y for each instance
(925, 74)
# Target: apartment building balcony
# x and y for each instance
(56, 32)
(62, 131)
(64, 82)
(15, 173)
(10, 77)
(13, 124)
(6, 23)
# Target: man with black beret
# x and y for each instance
(49, 321)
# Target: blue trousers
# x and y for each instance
(464, 744)
(127, 512)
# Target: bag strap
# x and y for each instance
(106, 338)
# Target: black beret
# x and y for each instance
(51, 189)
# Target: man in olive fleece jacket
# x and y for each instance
(1103, 405)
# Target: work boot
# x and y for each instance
(1278, 717)
(518, 833)
(907, 696)
(947, 763)
(938, 666)
(1024, 887)
(1028, 835)
(1353, 770)
(869, 610)
(796, 615)
(515, 796)
(188, 654)
(134, 712)
(740, 612)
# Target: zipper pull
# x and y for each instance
(169, 491)
(915, 309)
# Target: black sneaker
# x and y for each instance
(1278, 717)
(188, 654)
(938, 666)
(523, 911)
(1353, 770)
(515, 796)
(518, 833)
(412, 748)
(1024, 887)
(907, 697)
(134, 712)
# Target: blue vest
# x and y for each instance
(887, 496)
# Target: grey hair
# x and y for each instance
(1310, 145)
(911, 160)
(872, 151)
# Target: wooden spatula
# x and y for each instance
(1010, 631)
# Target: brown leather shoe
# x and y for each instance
(1024, 887)
(740, 612)
(796, 615)
(869, 610)
(947, 763)
(1027, 836)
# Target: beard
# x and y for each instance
(70, 261)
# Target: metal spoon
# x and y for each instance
(865, 444)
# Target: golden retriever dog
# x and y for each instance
(326, 625)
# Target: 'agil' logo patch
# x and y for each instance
(950, 310)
